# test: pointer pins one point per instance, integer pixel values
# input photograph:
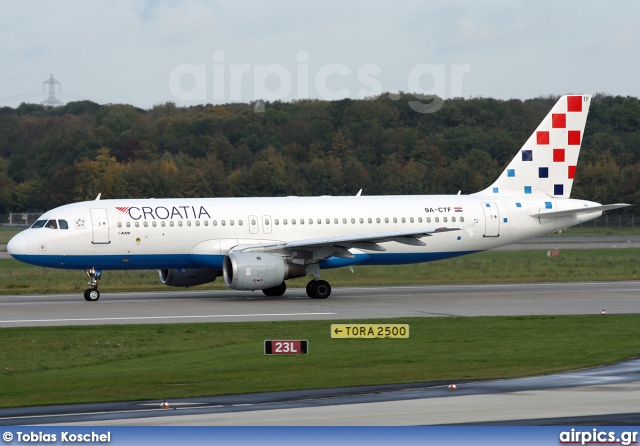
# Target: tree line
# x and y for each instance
(54, 156)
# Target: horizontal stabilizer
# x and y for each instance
(584, 210)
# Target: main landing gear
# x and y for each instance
(92, 294)
(318, 289)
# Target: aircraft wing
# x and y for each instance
(339, 246)
(583, 210)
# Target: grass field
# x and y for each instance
(487, 267)
(56, 365)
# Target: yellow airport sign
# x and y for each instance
(369, 331)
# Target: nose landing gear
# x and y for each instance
(92, 294)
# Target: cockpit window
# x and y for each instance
(63, 224)
(38, 224)
(51, 224)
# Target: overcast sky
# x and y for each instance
(194, 51)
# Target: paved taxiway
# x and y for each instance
(345, 303)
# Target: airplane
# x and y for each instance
(259, 243)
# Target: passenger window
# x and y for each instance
(215, 223)
(39, 224)
(437, 220)
(137, 224)
(171, 224)
(369, 220)
(377, 220)
(361, 220)
(344, 221)
(302, 221)
(239, 222)
(311, 221)
(386, 219)
(403, 220)
(428, 219)
(231, 223)
(162, 223)
(180, 223)
(353, 221)
(128, 224)
(223, 223)
(277, 222)
(335, 221)
(197, 223)
(419, 219)
(293, 221)
(444, 219)
(253, 222)
(453, 219)
(266, 222)
(327, 221)
(188, 222)
(411, 220)
(461, 219)
(119, 224)
(154, 224)
(51, 224)
(284, 221)
(145, 224)
(395, 220)
(206, 223)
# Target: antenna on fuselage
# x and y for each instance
(359, 192)
(98, 197)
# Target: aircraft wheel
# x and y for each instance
(320, 289)
(276, 290)
(309, 287)
(91, 295)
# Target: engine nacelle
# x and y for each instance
(187, 277)
(257, 270)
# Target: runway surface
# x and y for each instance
(345, 303)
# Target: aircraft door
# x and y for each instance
(266, 224)
(492, 220)
(253, 224)
(100, 226)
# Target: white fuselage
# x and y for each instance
(199, 232)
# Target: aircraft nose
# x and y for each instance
(18, 245)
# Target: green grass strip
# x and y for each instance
(61, 365)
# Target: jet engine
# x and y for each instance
(257, 271)
(187, 277)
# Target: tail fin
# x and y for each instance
(546, 164)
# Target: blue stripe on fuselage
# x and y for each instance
(179, 261)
